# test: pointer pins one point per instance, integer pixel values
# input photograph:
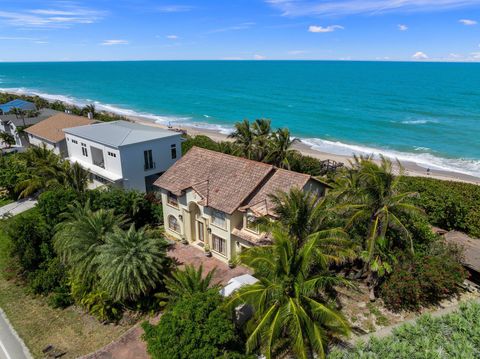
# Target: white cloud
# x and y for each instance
(402, 27)
(242, 26)
(172, 37)
(63, 17)
(419, 56)
(114, 42)
(174, 8)
(349, 7)
(467, 22)
(455, 56)
(475, 55)
(259, 57)
(321, 29)
(297, 52)
(17, 38)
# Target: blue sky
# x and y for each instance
(419, 30)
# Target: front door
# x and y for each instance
(200, 231)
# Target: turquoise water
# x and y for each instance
(425, 112)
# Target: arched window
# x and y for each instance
(173, 223)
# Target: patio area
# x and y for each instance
(194, 255)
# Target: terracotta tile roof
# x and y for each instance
(255, 239)
(228, 183)
(282, 180)
(51, 129)
(222, 180)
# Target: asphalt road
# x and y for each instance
(10, 345)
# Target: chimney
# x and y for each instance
(90, 116)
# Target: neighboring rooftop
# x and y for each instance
(18, 121)
(51, 129)
(119, 133)
(20, 104)
(471, 248)
(227, 182)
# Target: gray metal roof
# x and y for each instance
(119, 133)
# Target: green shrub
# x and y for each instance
(455, 335)
(48, 278)
(199, 141)
(60, 300)
(53, 203)
(31, 240)
(194, 327)
(449, 205)
(424, 279)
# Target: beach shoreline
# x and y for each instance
(409, 168)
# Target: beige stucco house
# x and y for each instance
(213, 198)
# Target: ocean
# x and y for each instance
(428, 113)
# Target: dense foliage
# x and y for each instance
(454, 335)
(423, 279)
(62, 107)
(448, 205)
(194, 327)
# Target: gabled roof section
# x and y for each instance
(20, 104)
(222, 180)
(51, 129)
(228, 183)
(120, 133)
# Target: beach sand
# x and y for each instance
(410, 168)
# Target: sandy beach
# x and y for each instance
(410, 168)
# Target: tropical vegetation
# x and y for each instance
(450, 336)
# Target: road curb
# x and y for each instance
(25, 349)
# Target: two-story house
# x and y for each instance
(213, 198)
(49, 132)
(123, 153)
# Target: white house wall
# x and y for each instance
(112, 164)
(38, 142)
(133, 162)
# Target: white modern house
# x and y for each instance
(212, 198)
(49, 132)
(129, 155)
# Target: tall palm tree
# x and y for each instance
(131, 263)
(280, 148)
(261, 129)
(79, 236)
(188, 281)
(7, 139)
(375, 198)
(19, 112)
(291, 314)
(304, 215)
(76, 177)
(244, 138)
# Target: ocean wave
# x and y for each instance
(418, 122)
(426, 160)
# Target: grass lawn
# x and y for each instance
(5, 201)
(39, 325)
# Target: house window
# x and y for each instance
(111, 154)
(218, 218)
(84, 149)
(172, 199)
(75, 142)
(173, 151)
(148, 160)
(173, 223)
(251, 223)
(219, 245)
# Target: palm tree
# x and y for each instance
(76, 177)
(261, 129)
(304, 215)
(44, 170)
(374, 197)
(186, 282)
(131, 263)
(280, 148)
(244, 138)
(79, 236)
(19, 112)
(291, 314)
